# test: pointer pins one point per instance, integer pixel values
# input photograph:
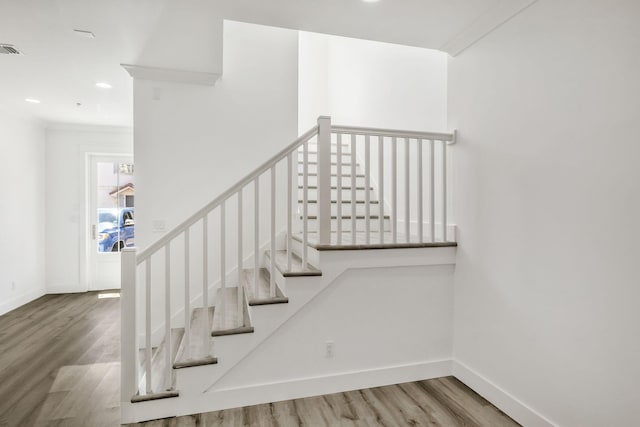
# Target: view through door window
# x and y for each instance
(115, 200)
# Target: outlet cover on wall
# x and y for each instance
(158, 225)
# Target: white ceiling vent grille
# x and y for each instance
(9, 49)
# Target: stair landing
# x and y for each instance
(346, 241)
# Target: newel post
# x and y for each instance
(324, 180)
(128, 371)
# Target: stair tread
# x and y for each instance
(334, 187)
(333, 164)
(360, 202)
(154, 396)
(297, 269)
(197, 354)
(231, 320)
(334, 175)
(374, 241)
(349, 217)
(158, 367)
(261, 295)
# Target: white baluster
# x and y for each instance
(419, 183)
(272, 258)
(353, 188)
(289, 208)
(432, 191)
(167, 314)
(148, 326)
(394, 189)
(240, 290)
(223, 267)
(187, 297)
(444, 191)
(407, 192)
(381, 187)
(205, 282)
(367, 184)
(339, 190)
(256, 234)
(305, 203)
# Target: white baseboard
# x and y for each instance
(499, 397)
(20, 300)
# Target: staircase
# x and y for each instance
(191, 328)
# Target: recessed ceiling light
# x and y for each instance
(103, 85)
(32, 101)
(371, 1)
(84, 33)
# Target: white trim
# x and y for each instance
(70, 127)
(20, 300)
(484, 25)
(170, 75)
(292, 389)
(501, 398)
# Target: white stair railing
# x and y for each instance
(360, 142)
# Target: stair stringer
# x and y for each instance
(198, 385)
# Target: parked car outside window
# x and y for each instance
(116, 229)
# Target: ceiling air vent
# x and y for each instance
(9, 49)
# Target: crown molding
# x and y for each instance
(504, 11)
(171, 75)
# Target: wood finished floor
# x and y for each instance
(59, 366)
(437, 402)
(45, 340)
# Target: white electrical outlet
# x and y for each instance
(329, 346)
(13, 286)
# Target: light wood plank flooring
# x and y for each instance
(437, 402)
(59, 366)
(68, 341)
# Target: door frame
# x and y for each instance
(86, 235)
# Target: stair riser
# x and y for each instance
(346, 181)
(346, 194)
(313, 257)
(313, 168)
(346, 225)
(347, 209)
(313, 148)
(313, 157)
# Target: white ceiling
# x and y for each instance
(61, 69)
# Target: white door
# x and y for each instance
(111, 218)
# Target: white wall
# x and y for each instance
(547, 180)
(22, 211)
(195, 141)
(377, 319)
(365, 83)
(66, 180)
